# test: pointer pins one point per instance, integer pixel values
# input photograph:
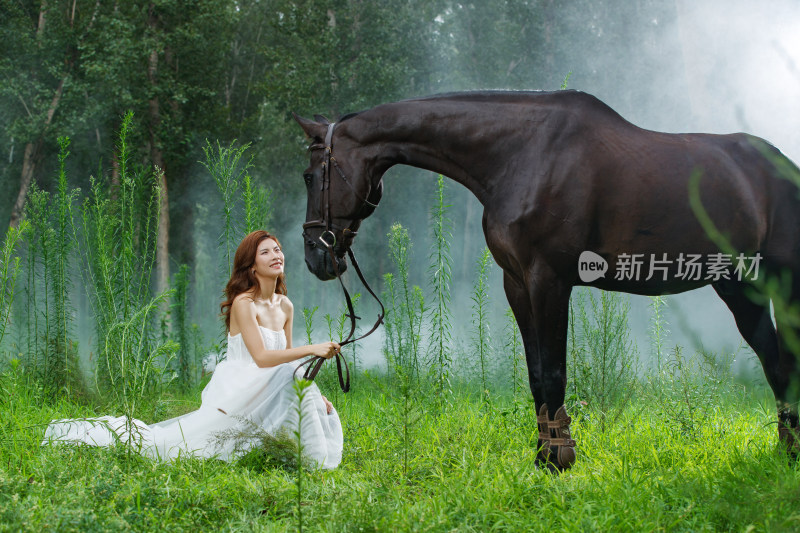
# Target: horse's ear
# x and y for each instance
(315, 130)
(322, 119)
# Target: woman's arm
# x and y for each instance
(288, 308)
(243, 311)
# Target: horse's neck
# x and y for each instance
(461, 140)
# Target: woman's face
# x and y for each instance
(269, 259)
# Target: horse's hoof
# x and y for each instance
(545, 463)
(556, 447)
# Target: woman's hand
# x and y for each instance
(328, 405)
(325, 349)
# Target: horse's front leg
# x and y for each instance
(541, 307)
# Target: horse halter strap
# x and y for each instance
(315, 363)
(325, 208)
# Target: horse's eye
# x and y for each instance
(308, 178)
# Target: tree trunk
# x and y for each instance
(32, 149)
(28, 165)
(157, 158)
(30, 158)
(42, 18)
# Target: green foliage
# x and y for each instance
(9, 270)
(257, 206)
(50, 352)
(392, 338)
(771, 289)
(133, 362)
(259, 450)
(481, 334)
(685, 389)
(63, 245)
(327, 377)
(464, 471)
(300, 389)
(178, 307)
(342, 325)
(659, 328)
(353, 347)
(408, 413)
(516, 355)
(308, 322)
(602, 357)
(566, 80)
(368, 68)
(39, 281)
(440, 279)
(225, 166)
(405, 310)
(118, 251)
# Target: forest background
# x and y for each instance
(227, 71)
(674, 423)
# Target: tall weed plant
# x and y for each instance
(516, 356)
(186, 359)
(685, 389)
(51, 353)
(440, 279)
(300, 389)
(38, 285)
(257, 206)
(659, 329)
(225, 165)
(392, 326)
(481, 334)
(308, 322)
(64, 232)
(10, 266)
(118, 252)
(603, 358)
(406, 307)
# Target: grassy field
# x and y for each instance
(467, 467)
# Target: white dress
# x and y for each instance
(240, 398)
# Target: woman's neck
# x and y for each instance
(265, 290)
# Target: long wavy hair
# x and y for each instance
(242, 277)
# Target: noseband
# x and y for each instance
(315, 363)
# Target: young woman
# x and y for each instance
(251, 390)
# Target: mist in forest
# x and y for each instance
(675, 66)
(722, 67)
(717, 67)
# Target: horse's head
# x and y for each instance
(340, 195)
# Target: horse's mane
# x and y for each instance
(570, 97)
(350, 115)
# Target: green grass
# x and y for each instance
(470, 469)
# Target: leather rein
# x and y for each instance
(314, 364)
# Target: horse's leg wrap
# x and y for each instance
(555, 443)
(789, 431)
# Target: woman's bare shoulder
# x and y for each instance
(286, 303)
(242, 300)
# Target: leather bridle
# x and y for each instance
(348, 234)
(315, 363)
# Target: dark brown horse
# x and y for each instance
(560, 174)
